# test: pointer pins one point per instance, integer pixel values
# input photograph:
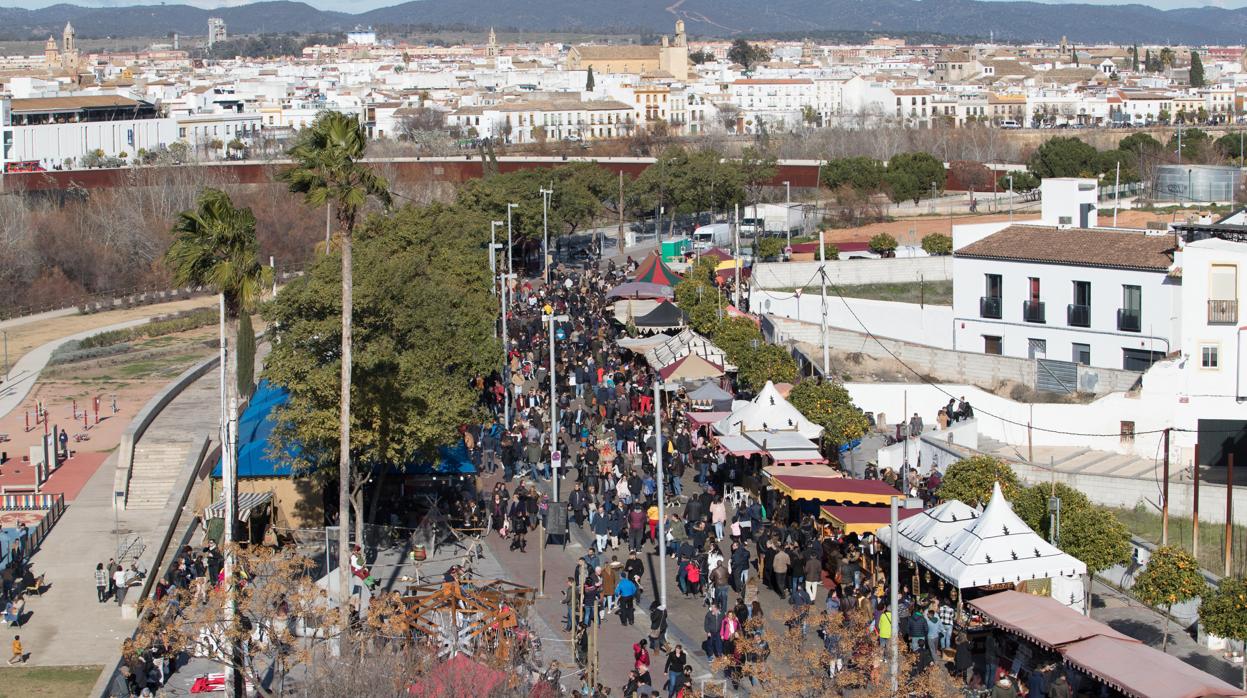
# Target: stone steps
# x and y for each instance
(157, 465)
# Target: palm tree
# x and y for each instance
(327, 170)
(215, 245)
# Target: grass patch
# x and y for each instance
(1146, 524)
(928, 292)
(164, 366)
(48, 682)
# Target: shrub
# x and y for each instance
(937, 244)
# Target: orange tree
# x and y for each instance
(1171, 577)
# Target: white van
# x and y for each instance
(1009, 123)
(713, 235)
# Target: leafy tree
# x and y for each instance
(970, 480)
(736, 336)
(937, 244)
(327, 170)
(590, 83)
(768, 248)
(1230, 145)
(810, 115)
(829, 405)
(1171, 577)
(1089, 533)
(861, 173)
(1223, 611)
(883, 244)
(747, 54)
(1195, 144)
(1140, 141)
(246, 356)
(1063, 157)
(700, 56)
(1022, 180)
(910, 176)
(768, 362)
(831, 251)
(697, 295)
(1134, 58)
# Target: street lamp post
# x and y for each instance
(545, 231)
(1010, 178)
(506, 363)
(510, 245)
(493, 253)
(787, 208)
(554, 403)
(662, 500)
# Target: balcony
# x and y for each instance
(1033, 311)
(1129, 320)
(1078, 315)
(1222, 312)
(990, 307)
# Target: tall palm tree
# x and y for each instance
(214, 245)
(327, 170)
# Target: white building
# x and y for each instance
(216, 31)
(55, 130)
(360, 36)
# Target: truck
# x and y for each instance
(713, 235)
(778, 218)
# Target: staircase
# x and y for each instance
(157, 465)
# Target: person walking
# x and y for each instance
(121, 579)
(779, 566)
(677, 660)
(101, 582)
(19, 653)
(625, 592)
(713, 621)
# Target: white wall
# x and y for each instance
(852, 272)
(1159, 320)
(930, 325)
(1063, 197)
(54, 143)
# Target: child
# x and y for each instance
(18, 654)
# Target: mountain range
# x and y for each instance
(1006, 21)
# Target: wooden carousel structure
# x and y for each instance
(469, 617)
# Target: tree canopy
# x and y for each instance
(1223, 611)
(747, 54)
(970, 480)
(910, 176)
(1063, 157)
(1197, 70)
(1171, 577)
(861, 173)
(580, 190)
(1089, 533)
(937, 244)
(829, 405)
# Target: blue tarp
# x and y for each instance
(256, 425)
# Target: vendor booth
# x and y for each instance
(768, 411)
(862, 520)
(665, 316)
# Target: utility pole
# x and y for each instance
(1010, 177)
(894, 643)
(506, 363)
(1117, 194)
(822, 273)
(1195, 507)
(787, 208)
(736, 236)
(229, 409)
(619, 242)
(905, 442)
(1164, 507)
(555, 461)
(1229, 511)
(328, 213)
(662, 501)
(493, 246)
(545, 231)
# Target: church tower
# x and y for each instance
(69, 49)
(51, 55)
(491, 49)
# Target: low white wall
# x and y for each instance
(851, 272)
(930, 325)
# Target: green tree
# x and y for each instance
(1140, 141)
(829, 405)
(747, 54)
(1063, 157)
(1089, 533)
(328, 171)
(861, 173)
(970, 480)
(590, 83)
(700, 56)
(1171, 577)
(1230, 145)
(831, 251)
(736, 336)
(1021, 179)
(768, 248)
(810, 115)
(937, 244)
(1134, 58)
(1195, 144)
(1223, 611)
(246, 356)
(883, 245)
(697, 295)
(910, 176)
(767, 362)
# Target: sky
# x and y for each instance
(365, 5)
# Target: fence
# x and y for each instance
(55, 506)
(31, 502)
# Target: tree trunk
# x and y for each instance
(344, 444)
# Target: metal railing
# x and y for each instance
(990, 307)
(1129, 320)
(1222, 312)
(1078, 315)
(1033, 311)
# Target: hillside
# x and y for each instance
(1008, 21)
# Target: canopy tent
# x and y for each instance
(932, 529)
(682, 344)
(247, 503)
(710, 394)
(999, 548)
(717, 253)
(701, 419)
(818, 470)
(655, 271)
(741, 446)
(630, 309)
(834, 489)
(863, 520)
(641, 289)
(691, 368)
(640, 345)
(768, 411)
(1120, 661)
(255, 426)
(786, 447)
(664, 317)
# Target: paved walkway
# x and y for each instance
(25, 371)
(67, 625)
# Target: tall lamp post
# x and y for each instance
(554, 402)
(510, 245)
(545, 231)
(506, 362)
(662, 499)
(787, 209)
(493, 253)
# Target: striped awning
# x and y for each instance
(247, 502)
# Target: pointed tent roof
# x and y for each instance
(931, 529)
(717, 253)
(665, 315)
(689, 368)
(768, 411)
(1000, 548)
(655, 271)
(709, 392)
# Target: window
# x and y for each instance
(1033, 309)
(1208, 356)
(1223, 294)
(1130, 316)
(1127, 433)
(1080, 310)
(992, 345)
(1065, 220)
(1081, 354)
(989, 304)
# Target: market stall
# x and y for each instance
(862, 520)
(768, 412)
(690, 368)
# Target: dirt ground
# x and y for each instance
(28, 335)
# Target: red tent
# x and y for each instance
(653, 270)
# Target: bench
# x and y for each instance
(35, 588)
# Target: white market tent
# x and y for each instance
(681, 345)
(918, 535)
(769, 411)
(997, 547)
